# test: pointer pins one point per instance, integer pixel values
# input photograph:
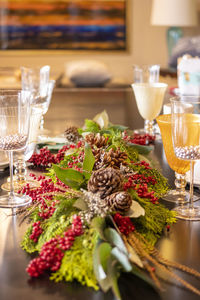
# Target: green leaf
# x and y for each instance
(140, 148)
(122, 259)
(80, 204)
(118, 128)
(115, 239)
(101, 255)
(70, 177)
(91, 126)
(113, 274)
(99, 224)
(89, 161)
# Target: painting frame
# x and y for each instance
(126, 50)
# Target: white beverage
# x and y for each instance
(149, 98)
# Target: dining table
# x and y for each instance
(181, 243)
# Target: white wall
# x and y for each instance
(147, 45)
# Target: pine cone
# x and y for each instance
(96, 140)
(112, 158)
(119, 201)
(71, 134)
(105, 182)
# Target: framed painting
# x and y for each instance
(63, 25)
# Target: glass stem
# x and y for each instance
(42, 123)
(191, 184)
(148, 127)
(12, 195)
(20, 170)
(180, 183)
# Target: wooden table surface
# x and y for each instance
(181, 243)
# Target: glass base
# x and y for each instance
(187, 213)
(176, 197)
(7, 202)
(19, 185)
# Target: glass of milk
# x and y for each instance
(149, 98)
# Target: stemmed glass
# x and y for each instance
(180, 167)
(186, 143)
(38, 108)
(14, 130)
(149, 98)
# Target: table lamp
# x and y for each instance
(176, 14)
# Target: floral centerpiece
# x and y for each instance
(97, 212)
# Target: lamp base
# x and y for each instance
(173, 35)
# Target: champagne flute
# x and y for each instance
(14, 129)
(149, 98)
(186, 143)
(180, 167)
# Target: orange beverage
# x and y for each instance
(178, 165)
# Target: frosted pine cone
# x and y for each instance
(112, 158)
(105, 182)
(71, 134)
(119, 201)
(96, 140)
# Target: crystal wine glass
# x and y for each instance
(37, 81)
(186, 143)
(21, 157)
(149, 98)
(180, 167)
(14, 130)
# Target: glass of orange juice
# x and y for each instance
(180, 167)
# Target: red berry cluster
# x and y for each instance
(52, 253)
(143, 164)
(140, 139)
(45, 158)
(36, 231)
(47, 206)
(142, 191)
(139, 178)
(139, 182)
(124, 224)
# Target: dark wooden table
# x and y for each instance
(181, 244)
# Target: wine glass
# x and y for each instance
(186, 143)
(37, 81)
(146, 73)
(20, 157)
(149, 98)
(180, 167)
(14, 130)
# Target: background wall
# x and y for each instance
(147, 45)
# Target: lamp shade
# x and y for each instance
(174, 12)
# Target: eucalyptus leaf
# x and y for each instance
(100, 260)
(122, 259)
(70, 152)
(140, 148)
(70, 177)
(134, 257)
(80, 204)
(113, 275)
(136, 210)
(115, 239)
(102, 119)
(99, 224)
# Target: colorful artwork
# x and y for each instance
(63, 24)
